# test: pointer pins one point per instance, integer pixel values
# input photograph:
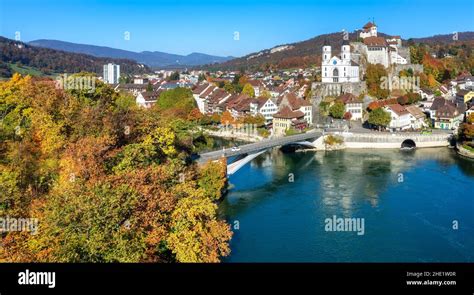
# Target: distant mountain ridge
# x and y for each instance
(150, 58)
(51, 61)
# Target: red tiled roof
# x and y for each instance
(368, 25)
(287, 113)
(348, 98)
(375, 41)
(398, 109)
(200, 88)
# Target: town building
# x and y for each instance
(111, 73)
(352, 105)
(264, 106)
(286, 119)
(400, 117)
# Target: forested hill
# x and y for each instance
(307, 53)
(14, 54)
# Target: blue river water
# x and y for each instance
(416, 206)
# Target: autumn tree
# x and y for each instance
(248, 90)
(227, 119)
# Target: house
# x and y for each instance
(264, 106)
(148, 98)
(197, 92)
(257, 86)
(352, 105)
(240, 106)
(140, 80)
(215, 99)
(426, 93)
(464, 96)
(417, 117)
(286, 119)
(401, 118)
(297, 104)
(448, 116)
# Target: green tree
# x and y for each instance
(178, 98)
(379, 117)
(337, 110)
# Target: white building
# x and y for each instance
(111, 73)
(352, 105)
(369, 30)
(264, 106)
(339, 69)
(400, 117)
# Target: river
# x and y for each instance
(416, 206)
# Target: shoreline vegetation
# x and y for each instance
(107, 180)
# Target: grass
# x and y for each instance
(468, 147)
(24, 70)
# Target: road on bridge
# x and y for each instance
(258, 146)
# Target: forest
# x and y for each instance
(106, 180)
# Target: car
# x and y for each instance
(235, 149)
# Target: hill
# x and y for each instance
(307, 53)
(16, 55)
(154, 59)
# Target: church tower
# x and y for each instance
(346, 52)
(326, 52)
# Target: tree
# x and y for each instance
(379, 117)
(377, 80)
(215, 118)
(195, 115)
(337, 110)
(149, 87)
(347, 116)
(228, 87)
(178, 98)
(248, 90)
(174, 76)
(227, 118)
(265, 94)
(109, 181)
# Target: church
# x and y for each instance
(341, 69)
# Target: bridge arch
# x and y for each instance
(408, 143)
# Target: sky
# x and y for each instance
(224, 28)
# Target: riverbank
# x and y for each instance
(381, 141)
(234, 135)
(464, 152)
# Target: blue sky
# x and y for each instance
(207, 26)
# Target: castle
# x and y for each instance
(377, 50)
(380, 50)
